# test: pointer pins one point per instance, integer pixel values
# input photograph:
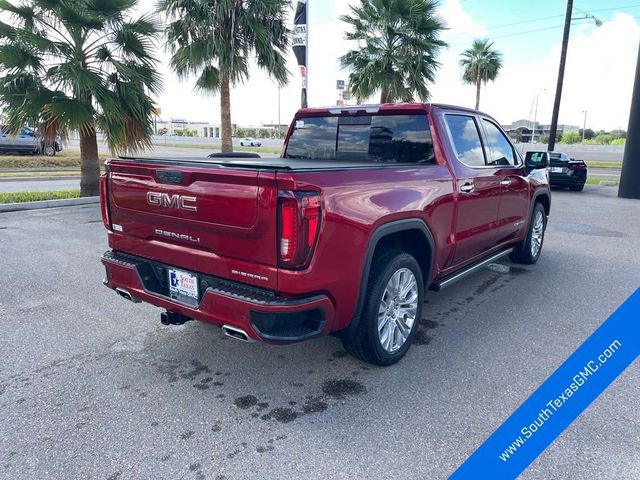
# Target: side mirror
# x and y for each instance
(536, 160)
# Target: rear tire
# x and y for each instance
(577, 188)
(528, 251)
(391, 312)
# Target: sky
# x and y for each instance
(599, 71)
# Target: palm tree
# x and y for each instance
(480, 64)
(215, 39)
(398, 41)
(80, 65)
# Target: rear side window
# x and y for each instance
(500, 151)
(465, 138)
(313, 138)
(366, 138)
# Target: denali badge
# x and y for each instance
(179, 236)
(180, 202)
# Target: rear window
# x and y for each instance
(366, 138)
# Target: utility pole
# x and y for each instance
(584, 124)
(630, 175)
(563, 60)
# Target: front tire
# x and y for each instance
(49, 151)
(528, 252)
(392, 310)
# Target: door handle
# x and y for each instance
(468, 187)
(505, 183)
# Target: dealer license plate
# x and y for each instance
(183, 285)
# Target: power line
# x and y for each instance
(495, 27)
(612, 8)
(581, 21)
(520, 33)
(533, 20)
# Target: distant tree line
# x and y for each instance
(602, 137)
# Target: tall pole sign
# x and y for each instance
(300, 44)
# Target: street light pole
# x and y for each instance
(563, 60)
(535, 116)
(584, 124)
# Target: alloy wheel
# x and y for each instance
(397, 310)
(537, 234)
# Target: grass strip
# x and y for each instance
(32, 174)
(600, 164)
(21, 197)
(607, 181)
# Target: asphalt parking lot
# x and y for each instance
(94, 387)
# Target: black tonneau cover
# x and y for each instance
(268, 163)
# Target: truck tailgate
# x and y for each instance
(212, 219)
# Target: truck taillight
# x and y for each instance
(298, 227)
(104, 201)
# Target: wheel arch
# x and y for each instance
(411, 235)
(543, 197)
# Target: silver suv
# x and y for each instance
(27, 141)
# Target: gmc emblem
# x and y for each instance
(165, 200)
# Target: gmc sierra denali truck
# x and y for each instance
(366, 208)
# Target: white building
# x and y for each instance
(202, 129)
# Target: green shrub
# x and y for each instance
(185, 132)
(603, 139)
(570, 138)
(615, 134)
(618, 141)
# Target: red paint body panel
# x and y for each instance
(234, 233)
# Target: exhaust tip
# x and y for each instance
(173, 318)
(236, 333)
(126, 295)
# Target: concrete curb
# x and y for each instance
(67, 202)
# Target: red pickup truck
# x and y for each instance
(365, 209)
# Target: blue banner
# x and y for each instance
(560, 399)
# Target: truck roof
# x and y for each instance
(385, 107)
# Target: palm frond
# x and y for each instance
(399, 43)
(480, 62)
(227, 34)
(72, 64)
(209, 81)
(16, 56)
(69, 113)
